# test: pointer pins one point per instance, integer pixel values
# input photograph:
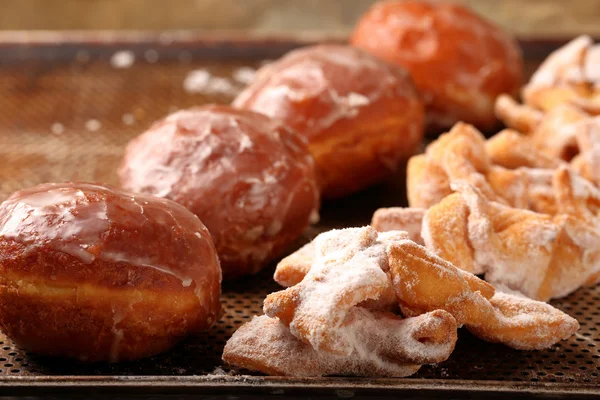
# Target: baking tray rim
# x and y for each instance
(283, 382)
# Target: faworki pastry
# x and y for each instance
(424, 282)
(570, 75)
(565, 134)
(361, 116)
(330, 323)
(460, 62)
(327, 323)
(249, 178)
(463, 154)
(95, 273)
(539, 255)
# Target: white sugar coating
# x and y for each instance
(196, 81)
(391, 346)
(519, 248)
(591, 66)
(521, 117)
(409, 220)
(122, 59)
(520, 323)
(93, 125)
(202, 81)
(588, 141)
(57, 128)
(347, 270)
(244, 75)
(556, 134)
(564, 64)
(505, 289)
(525, 324)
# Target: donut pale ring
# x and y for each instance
(459, 61)
(249, 179)
(95, 273)
(361, 116)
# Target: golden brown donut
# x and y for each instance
(362, 117)
(247, 177)
(460, 62)
(95, 273)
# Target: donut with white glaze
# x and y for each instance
(98, 274)
(362, 117)
(460, 62)
(250, 179)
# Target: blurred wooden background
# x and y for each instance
(524, 17)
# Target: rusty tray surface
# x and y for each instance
(66, 113)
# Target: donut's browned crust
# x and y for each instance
(93, 273)
(459, 61)
(250, 179)
(361, 116)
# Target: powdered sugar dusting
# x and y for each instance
(347, 269)
(400, 219)
(202, 81)
(122, 59)
(266, 345)
(518, 248)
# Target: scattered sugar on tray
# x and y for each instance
(201, 81)
(122, 59)
(57, 128)
(93, 125)
(219, 371)
(244, 75)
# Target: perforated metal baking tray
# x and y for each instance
(66, 113)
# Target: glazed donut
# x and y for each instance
(361, 116)
(95, 273)
(460, 62)
(248, 178)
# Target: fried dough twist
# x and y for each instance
(424, 282)
(390, 346)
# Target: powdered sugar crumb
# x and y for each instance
(57, 128)
(202, 81)
(122, 59)
(93, 125)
